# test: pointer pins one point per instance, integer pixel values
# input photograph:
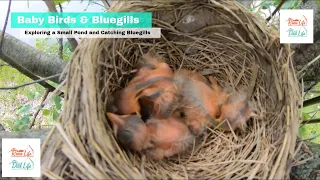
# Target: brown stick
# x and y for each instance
(5, 24)
(276, 10)
(52, 8)
(40, 107)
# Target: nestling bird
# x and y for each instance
(220, 94)
(158, 99)
(198, 100)
(153, 67)
(131, 131)
(158, 138)
(237, 110)
(184, 74)
(159, 102)
(127, 100)
(168, 137)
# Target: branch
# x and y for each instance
(106, 4)
(25, 71)
(40, 107)
(60, 40)
(5, 25)
(276, 10)
(308, 65)
(52, 8)
(311, 102)
(29, 60)
(30, 83)
(3, 65)
(99, 4)
(314, 91)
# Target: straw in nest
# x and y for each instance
(219, 38)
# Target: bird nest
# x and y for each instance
(218, 38)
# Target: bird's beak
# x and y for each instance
(134, 71)
(115, 119)
(149, 145)
(138, 114)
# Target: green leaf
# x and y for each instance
(36, 95)
(67, 45)
(23, 120)
(276, 3)
(56, 2)
(30, 95)
(305, 116)
(10, 124)
(302, 131)
(57, 102)
(24, 109)
(39, 88)
(20, 127)
(319, 3)
(46, 112)
(292, 4)
(55, 115)
(267, 4)
(21, 124)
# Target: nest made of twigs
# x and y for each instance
(219, 38)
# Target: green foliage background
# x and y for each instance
(24, 99)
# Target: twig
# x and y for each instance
(98, 4)
(40, 107)
(311, 102)
(60, 40)
(311, 138)
(52, 8)
(106, 4)
(307, 121)
(314, 91)
(276, 10)
(312, 121)
(309, 64)
(316, 111)
(5, 25)
(3, 65)
(30, 83)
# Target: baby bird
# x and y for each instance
(198, 101)
(192, 75)
(158, 99)
(127, 100)
(221, 94)
(237, 110)
(153, 67)
(159, 102)
(168, 137)
(131, 131)
(158, 138)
